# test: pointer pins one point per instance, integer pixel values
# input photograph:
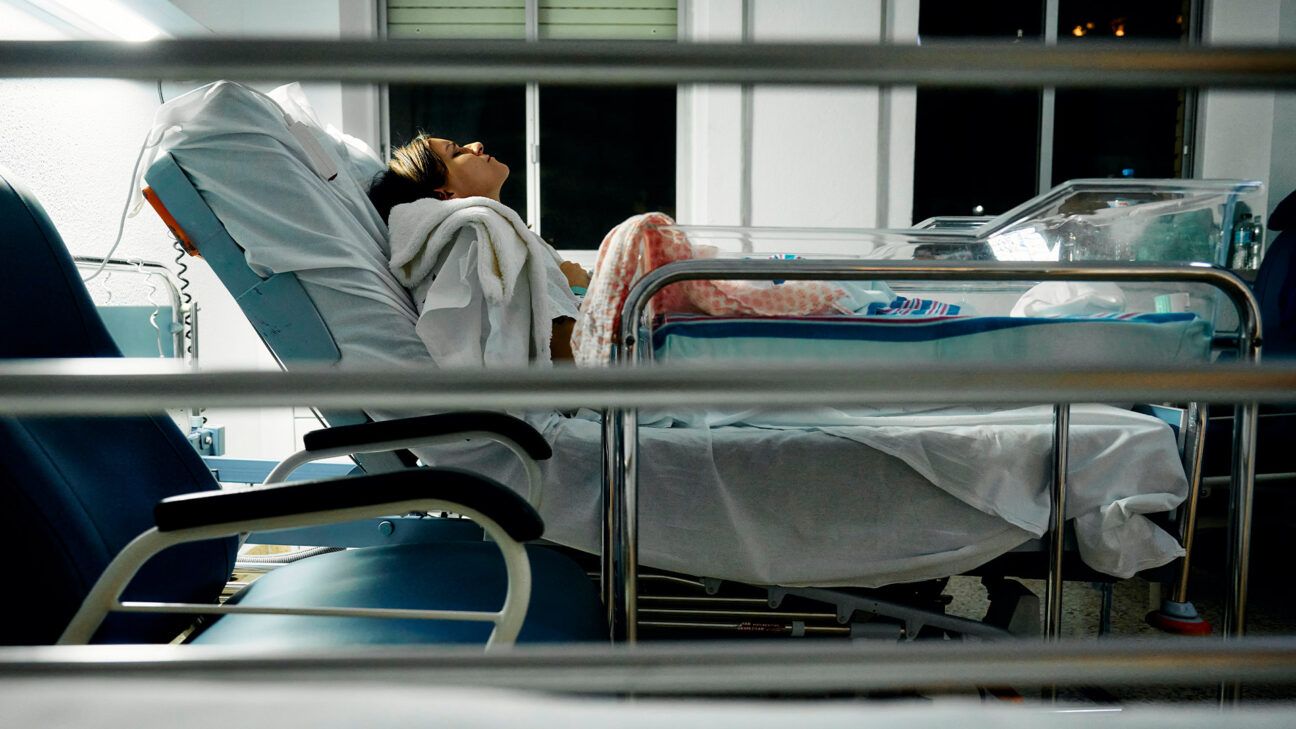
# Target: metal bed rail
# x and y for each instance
(141, 267)
(620, 539)
(1163, 65)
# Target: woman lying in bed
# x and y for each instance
(430, 168)
(431, 182)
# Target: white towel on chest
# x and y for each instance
(460, 257)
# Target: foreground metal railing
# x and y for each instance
(812, 668)
(117, 387)
(1166, 65)
(131, 386)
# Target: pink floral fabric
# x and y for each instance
(642, 243)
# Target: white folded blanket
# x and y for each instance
(479, 278)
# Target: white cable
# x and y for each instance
(121, 224)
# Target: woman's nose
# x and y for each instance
(476, 148)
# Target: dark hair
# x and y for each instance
(415, 172)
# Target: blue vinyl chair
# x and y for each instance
(75, 492)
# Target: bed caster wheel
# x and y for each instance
(1180, 618)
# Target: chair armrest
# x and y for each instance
(493, 500)
(363, 434)
(505, 516)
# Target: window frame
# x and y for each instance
(531, 11)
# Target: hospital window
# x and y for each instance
(601, 153)
(982, 151)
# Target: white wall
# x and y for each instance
(73, 142)
(818, 158)
(1238, 125)
(1282, 168)
(1248, 134)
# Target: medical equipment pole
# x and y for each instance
(1248, 308)
(1053, 587)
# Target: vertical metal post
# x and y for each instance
(1246, 417)
(747, 121)
(1053, 587)
(1194, 99)
(613, 448)
(1198, 414)
(627, 542)
(533, 125)
(1242, 481)
(882, 214)
(621, 503)
(1048, 103)
(384, 96)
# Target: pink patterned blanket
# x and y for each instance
(641, 244)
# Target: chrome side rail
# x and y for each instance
(620, 426)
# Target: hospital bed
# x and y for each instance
(230, 205)
(1085, 221)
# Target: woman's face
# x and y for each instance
(472, 172)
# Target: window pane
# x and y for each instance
(976, 147)
(1119, 133)
(493, 115)
(608, 19)
(606, 154)
(459, 19)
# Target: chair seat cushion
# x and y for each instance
(440, 576)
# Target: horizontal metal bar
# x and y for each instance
(718, 613)
(1260, 478)
(697, 667)
(1165, 65)
(99, 387)
(766, 628)
(334, 612)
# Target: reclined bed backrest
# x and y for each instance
(75, 491)
(278, 207)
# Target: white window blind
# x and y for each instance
(559, 19)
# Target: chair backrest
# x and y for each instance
(280, 310)
(301, 249)
(74, 491)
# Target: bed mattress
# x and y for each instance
(1153, 339)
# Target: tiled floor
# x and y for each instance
(1271, 608)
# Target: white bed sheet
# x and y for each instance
(851, 501)
(858, 500)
